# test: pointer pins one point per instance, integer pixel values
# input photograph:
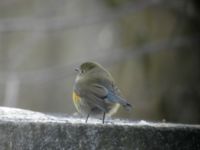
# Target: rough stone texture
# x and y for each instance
(27, 130)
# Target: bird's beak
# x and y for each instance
(77, 69)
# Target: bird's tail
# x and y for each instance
(116, 98)
(127, 106)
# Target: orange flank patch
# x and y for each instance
(76, 97)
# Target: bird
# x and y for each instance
(95, 92)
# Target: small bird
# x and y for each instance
(95, 92)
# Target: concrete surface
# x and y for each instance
(28, 130)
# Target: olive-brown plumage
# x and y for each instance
(95, 92)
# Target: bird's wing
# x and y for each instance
(112, 95)
(94, 94)
(99, 90)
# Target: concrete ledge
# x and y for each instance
(27, 130)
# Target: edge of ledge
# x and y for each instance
(16, 115)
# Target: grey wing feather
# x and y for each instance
(99, 90)
(95, 94)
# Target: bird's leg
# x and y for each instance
(104, 114)
(87, 117)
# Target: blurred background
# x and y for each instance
(151, 47)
